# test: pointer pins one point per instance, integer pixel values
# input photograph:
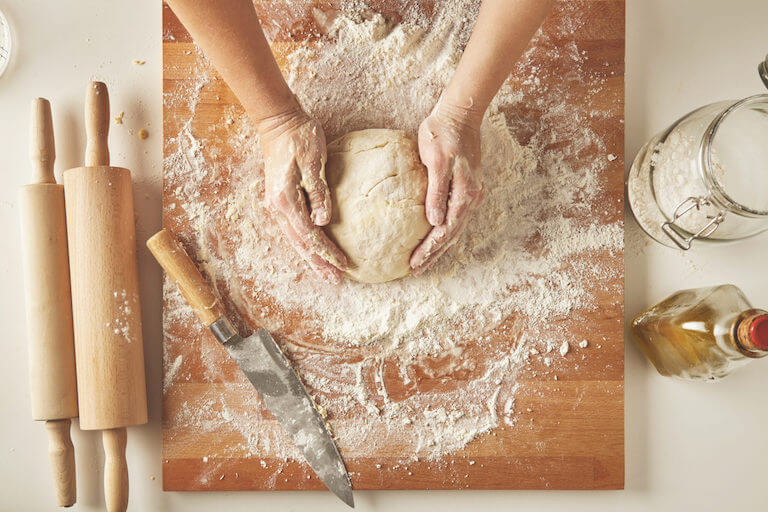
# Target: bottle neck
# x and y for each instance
(751, 332)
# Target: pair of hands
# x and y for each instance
(295, 188)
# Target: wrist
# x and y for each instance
(280, 118)
(459, 109)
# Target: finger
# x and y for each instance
(315, 238)
(465, 194)
(438, 186)
(314, 183)
(437, 242)
(324, 269)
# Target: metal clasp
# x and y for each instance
(682, 209)
(223, 330)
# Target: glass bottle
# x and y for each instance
(703, 333)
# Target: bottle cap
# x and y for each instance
(758, 331)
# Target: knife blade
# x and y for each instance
(265, 366)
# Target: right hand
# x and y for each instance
(449, 146)
(294, 151)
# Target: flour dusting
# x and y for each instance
(429, 363)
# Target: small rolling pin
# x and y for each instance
(53, 385)
(105, 297)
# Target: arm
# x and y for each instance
(229, 33)
(449, 138)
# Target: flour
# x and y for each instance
(171, 371)
(677, 177)
(670, 178)
(657, 195)
(120, 325)
(425, 363)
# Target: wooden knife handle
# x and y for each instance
(42, 150)
(183, 271)
(115, 469)
(62, 455)
(96, 124)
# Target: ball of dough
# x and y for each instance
(378, 186)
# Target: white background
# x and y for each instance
(688, 446)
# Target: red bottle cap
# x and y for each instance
(758, 332)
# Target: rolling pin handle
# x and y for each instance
(62, 456)
(183, 271)
(115, 469)
(42, 147)
(96, 124)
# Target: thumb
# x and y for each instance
(438, 186)
(313, 182)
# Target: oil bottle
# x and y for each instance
(702, 333)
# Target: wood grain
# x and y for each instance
(105, 287)
(61, 453)
(183, 271)
(105, 298)
(52, 376)
(570, 434)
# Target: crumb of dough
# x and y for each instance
(139, 62)
(564, 348)
(119, 118)
(143, 134)
(583, 344)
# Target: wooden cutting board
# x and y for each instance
(570, 434)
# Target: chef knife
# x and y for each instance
(264, 364)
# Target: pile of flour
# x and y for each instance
(517, 257)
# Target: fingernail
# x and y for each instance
(320, 217)
(435, 217)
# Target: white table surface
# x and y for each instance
(688, 446)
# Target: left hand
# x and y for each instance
(449, 146)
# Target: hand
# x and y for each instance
(449, 145)
(294, 173)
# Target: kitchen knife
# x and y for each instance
(264, 364)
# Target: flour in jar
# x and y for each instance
(516, 258)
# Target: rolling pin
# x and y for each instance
(105, 297)
(53, 385)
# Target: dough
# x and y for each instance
(378, 186)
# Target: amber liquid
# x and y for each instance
(691, 333)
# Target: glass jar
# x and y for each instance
(706, 176)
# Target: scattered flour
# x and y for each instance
(424, 363)
(121, 324)
(171, 371)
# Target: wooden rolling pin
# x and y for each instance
(52, 381)
(105, 297)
